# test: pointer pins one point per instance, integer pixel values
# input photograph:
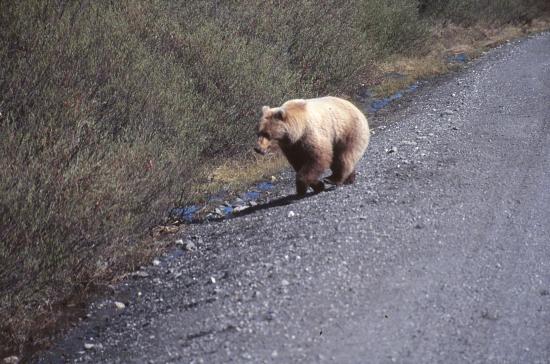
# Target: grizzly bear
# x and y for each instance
(314, 135)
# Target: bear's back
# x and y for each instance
(336, 116)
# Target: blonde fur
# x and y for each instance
(317, 134)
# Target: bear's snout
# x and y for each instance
(261, 145)
(259, 150)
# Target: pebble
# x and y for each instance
(11, 360)
(119, 305)
(391, 150)
(156, 262)
(447, 112)
(187, 245)
(291, 214)
(140, 274)
(88, 346)
(240, 208)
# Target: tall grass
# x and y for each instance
(111, 111)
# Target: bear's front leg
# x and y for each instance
(309, 176)
(301, 187)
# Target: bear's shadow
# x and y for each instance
(277, 202)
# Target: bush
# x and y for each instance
(394, 27)
(489, 11)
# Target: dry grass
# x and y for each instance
(448, 40)
(236, 175)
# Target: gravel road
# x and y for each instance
(439, 253)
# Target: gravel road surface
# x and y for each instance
(439, 253)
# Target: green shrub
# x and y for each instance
(395, 26)
(488, 11)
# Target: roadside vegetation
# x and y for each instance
(111, 113)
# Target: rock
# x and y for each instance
(391, 150)
(119, 305)
(252, 203)
(447, 112)
(156, 262)
(212, 280)
(190, 246)
(140, 274)
(187, 245)
(408, 142)
(89, 346)
(291, 214)
(11, 360)
(284, 282)
(240, 208)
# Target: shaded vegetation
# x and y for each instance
(496, 12)
(110, 113)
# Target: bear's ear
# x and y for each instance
(265, 109)
(279, 114)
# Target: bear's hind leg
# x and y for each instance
(343, 169)
(335, 178)
(351, 179)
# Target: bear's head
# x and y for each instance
(272, 127)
